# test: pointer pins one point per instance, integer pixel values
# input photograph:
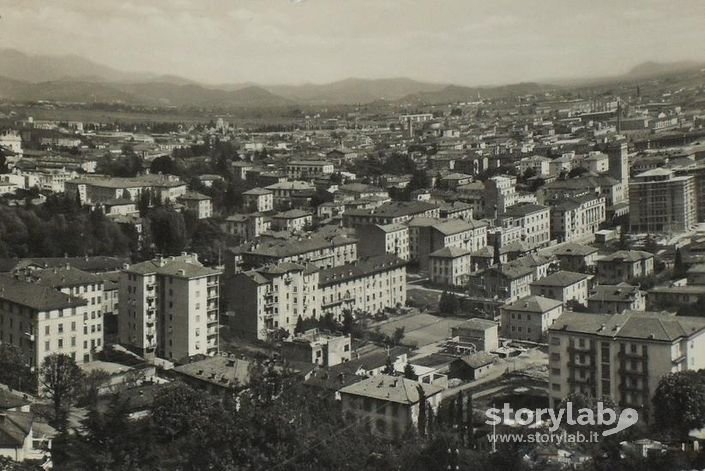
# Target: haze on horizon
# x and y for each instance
(469, 42)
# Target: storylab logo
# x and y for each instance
(603, 416)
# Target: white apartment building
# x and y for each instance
(534, 221)
(258, 200)
(83, 285)
(169, 307)
(621, 356)
(563, 286)
(529, 318)
(308, 169)
(274, 297)
(538, 163)
(578, 218)
(42, 321)
(450, 266)
(200, 204)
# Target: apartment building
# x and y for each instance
(247, 226)
(308, 169)
(390, 213)
(201, 205)
(80, 284)
(388, 406)
(506, 282)
(274, 297)
(291, 194)
(323, 251)
(456, 210)
(621, 356)
(534, 221)
(169, 308)
(577, 218)
(42, 321)
(563, 286)
(660, 201)
(293, 220)
(428, 235)
(450, 266)
(538, 163)
(529, 318)
(372, 285)
(258, 200)
(100, 189)
(500, 194)
(381, 239)
(624, 265)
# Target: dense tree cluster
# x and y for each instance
(60, 227)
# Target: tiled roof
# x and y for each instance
(627, 256)
(561, 279)
(654, 326)
(35, 296)
(532, 304)
(182, 266)
(391, 388)
(220, 370)
(449, 252)
(63, 277)
(574, 249)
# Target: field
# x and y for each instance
(420, 329)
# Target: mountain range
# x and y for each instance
(71, 78)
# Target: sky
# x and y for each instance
(468, 42)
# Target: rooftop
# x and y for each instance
(34, 296)
(532, 304)
(561, 279)
(391, 388)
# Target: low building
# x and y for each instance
(529, 318)
(534, 221)
(218, 374)
(317, 348)
(624, 265)
(292, 220)
(24, 438)
(614, 299)
(472, 367)
(247, 227)
(576, 257)
(673, 297)
(505, 283)
(388, 406)
(563, 286)
(483, 334)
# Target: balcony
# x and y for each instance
(212, 331)
(212, 319)
(212, 293)
(149, 321)
(30, 336)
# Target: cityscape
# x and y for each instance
(317, 235)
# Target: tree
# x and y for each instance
(576, 306)
(164, 165)
(299, 329)
(14, 369)
(423, 411)
(174, 407)
(497, 255)
(409, 372)
(679, 402)
(60, 378)
(449, 303)
(398, 335)
(348, 322)
(679, 268)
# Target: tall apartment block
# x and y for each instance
(169, 308)
(662, 202)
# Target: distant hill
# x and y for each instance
(652, 69)
(354, 90)
(143, 93)
(44, 68)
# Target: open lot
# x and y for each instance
(420, 329)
